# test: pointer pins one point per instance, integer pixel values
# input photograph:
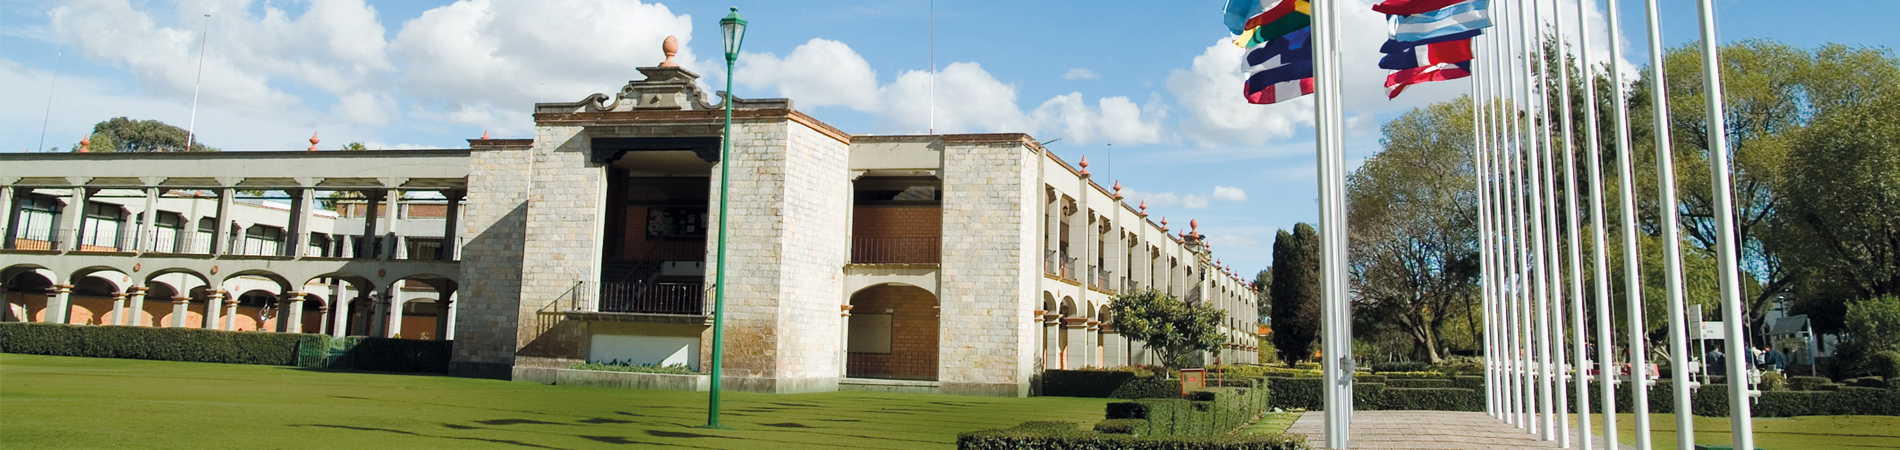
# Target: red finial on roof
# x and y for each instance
(484, 134)
(1085, 165)
(1144, 206)
(669, 47)
(1118, 189)
(84, 142)
(313, 141)
(1194, 224)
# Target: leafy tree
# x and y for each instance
(1296, 293)
(121, 134)
(354, 147)
(1173, 329)
(1841, 223)
(1413, 213)
(1262, 288)
(1872, 326)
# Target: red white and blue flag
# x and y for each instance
(1401, 55)
(1281, 69)
(1430, 40)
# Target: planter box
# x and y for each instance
(632, 380)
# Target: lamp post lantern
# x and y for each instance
(732, 32)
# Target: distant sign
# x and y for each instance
(1193, 380)
(1713, 331)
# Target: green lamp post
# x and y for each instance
(732, 32)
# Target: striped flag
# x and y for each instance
(1406, 55)
(1457, 18)
(1275, 21)
(1280, 70)
(1410, 7)
(1398, 81)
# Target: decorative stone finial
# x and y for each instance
(1194, 225)
(670, 47)
(1144, 207)
(1085, 165)
(84, 143)
(313, 141)
(1118, 189)
(484, 134)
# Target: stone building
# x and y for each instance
(960, 264)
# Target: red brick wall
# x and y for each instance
(914, 329)
(896, 234)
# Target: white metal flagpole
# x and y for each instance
(1337, 363)
(1484, 253)
(1741, 426)
(1606, 379)
(1632, 249)
(1540, 267)
(1672, 243)
(1553, 306)
(1581, 384)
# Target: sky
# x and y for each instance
(1149, 91)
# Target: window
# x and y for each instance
(870, 333)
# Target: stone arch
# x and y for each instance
(256, 310)
(316, 310)
(894, 333)
(26, 288)
(347, 295)
(418, 310)
(157, 305)
(94, 296)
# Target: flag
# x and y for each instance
(1282, 18)
(1280, 70)
(1398, 81)
(1410, 56)
(1237, 13)
(1410, 7)
(1458, 18)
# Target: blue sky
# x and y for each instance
(1146, 89)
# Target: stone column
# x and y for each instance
(1095, 344)
(1052, 341)
(378, 316)
(392, 311)
(10, 221)
(148, 224)
(339, 311)
(844, 339)
(1076, 328)
(1114, 348)
(59, 303)
(392, 198)
(118, 310)
(71, 219)
(290, 319)
(365, 248)
(324, 324)
(230, 312)
(1052, 228)
(443, 303)
(181, 307)
(134, 306)
(297, 238)
(214, 306)
(452, 218)
(221, 231)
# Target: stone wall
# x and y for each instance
(990, 268)
(489, 301)
(562, 248)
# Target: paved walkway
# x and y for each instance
(1428, 430)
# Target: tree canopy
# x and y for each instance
(120, 134)
(1173, 329)
(1295, 288)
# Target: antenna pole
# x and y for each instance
(49, 100)
(191, 128)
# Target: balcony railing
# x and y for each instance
(1102, 280)
(897, 250)
(1067, 268)
(653, 298)
(1049, 262)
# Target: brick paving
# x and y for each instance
(1429, 430)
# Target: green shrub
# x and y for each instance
(166, 344)
(1431, 399)
(1400, 366)
(1083, 383)
(390, 355)
(1068, 436)
(1417, 383)
(1207, 412)
(1425, 375)
(1472, 382)
(1867, 382)
(1148, 387)
(1119, 426)
(1297, 393)
(1772, 381)
(1887, 364)
(1806, 383)
(623, 366)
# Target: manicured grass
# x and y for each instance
(1805, 433)
(1274, 423)
(62, 402)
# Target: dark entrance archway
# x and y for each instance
(894, 333)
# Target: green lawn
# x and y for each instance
(1804, 433)
(60, 402)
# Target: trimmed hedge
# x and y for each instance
(166, 344)
(1433, 399)
(1712, 400)
(230, 347)
(1083, 383)
(1148, 387)
(1401, 366)
(1807, 383)
(1306, 393)
(1068, 436)
(1213, 411)
(1418, 383)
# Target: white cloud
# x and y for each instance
(1116, 120)
(1080, 74)
(1153, 199)
(821, 72)
(967, 100)
(365, 108)
(1234, 240)
(1209, 90)
(1192, 201)
(1232, 194)
(466, 62)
